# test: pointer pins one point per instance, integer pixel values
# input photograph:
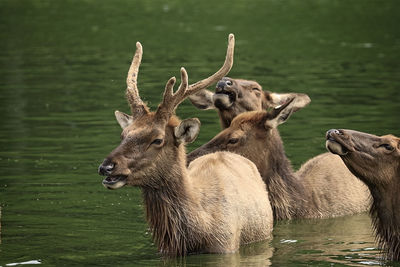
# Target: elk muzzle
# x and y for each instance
(338, 143)
(225, 95)
(106, 167)
(111, 181)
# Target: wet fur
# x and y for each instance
(213, 206)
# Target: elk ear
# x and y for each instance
(203, 99)
(187, 131)
(123, 119)
(280, 114)
(277, 100)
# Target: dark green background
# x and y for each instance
(63, 66)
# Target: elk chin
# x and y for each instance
(223, 101)
(335, 148)
(115, 182)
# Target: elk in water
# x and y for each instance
(323, 187)
(213, 206)
(375, 160)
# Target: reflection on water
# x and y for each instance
(257, 254)
(32, 262)
(63, 66)
(345, 240)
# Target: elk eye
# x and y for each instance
(387, 147)
(256, 89)
(233, 141)
(228, 83)
(157, 142)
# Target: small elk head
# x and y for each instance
(374, 159)
(235, 96)
(253, 134)
(230, 92)
(151, 141)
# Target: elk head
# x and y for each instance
(235, 96)
(151, 141)
(253, 134)
(374, 159)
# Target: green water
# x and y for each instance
(62, 72)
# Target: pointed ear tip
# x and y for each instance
(306, 100)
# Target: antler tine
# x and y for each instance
(186, 90)
(172, 100)
(222, 72)
(138, 107)
(180, 94)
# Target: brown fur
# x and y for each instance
(199, 209)
(332, 188)
(189, 210)
(321, 176)
(376, 164)
(323, 187)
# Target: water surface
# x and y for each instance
(63, 66)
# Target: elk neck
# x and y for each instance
(225, 117)
(171, 208)
(284, 187)
(385, 215)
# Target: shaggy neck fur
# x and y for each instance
(285, 190)
(386, 219)
(384, 209)
(170, 209)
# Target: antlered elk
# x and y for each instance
(235, 96)
(214, 205)
(323, 187)
(375, 160)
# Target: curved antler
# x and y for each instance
(138, 107)
(222, 72)
(171, 100)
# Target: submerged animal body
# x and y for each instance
(323, 187)
(215, 204)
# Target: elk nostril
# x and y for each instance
(332, 131)
(109, 167)
(106, 169)
(220, 86)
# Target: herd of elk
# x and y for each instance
(375, 160)
(189, 210)
(224, 199)
(318, 190)
(323, 187)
